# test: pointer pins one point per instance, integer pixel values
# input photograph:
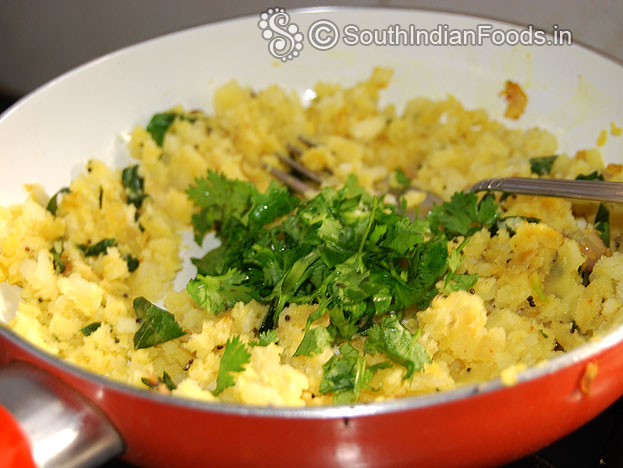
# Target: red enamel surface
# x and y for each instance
(481, 430)
(14, 446)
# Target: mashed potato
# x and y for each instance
(528, 305)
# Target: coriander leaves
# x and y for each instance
(463, 215)
(266, 338)
(235, 358)
(235, 208)
(394, 340)
(347, 374)
(357, 258)
(314, 342)
(219, 293)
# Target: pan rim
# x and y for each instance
(581, 354)
(303, 10)
(411, 403)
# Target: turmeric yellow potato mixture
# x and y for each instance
(341, 296)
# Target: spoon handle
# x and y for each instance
(565, 188)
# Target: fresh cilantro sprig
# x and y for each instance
(234, 208)
(463, 215)
(219, 293)
(314, 341)
(267, 337)
(235, 358)
(453, 280)
(394, 340)
(347, 374)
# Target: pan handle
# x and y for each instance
(49, 424)
(14, 446)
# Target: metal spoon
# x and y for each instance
(595, 190)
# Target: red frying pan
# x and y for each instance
(53, 414)
(482, 425)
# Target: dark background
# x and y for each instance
(40, 39)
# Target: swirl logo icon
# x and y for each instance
(285, 41)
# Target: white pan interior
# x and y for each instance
(48, 137)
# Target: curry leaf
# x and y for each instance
(542, 165)
(157, 325)
(53, 203)
(595, 175)
(168, 381)
(164, 380)
(90, 328)
(97, 249)
(602, 224)
(151, 383)
(57, 256)
(159, 124)
(133, 184)
(132, 262)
